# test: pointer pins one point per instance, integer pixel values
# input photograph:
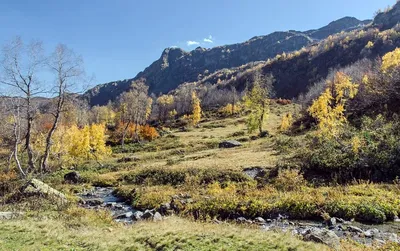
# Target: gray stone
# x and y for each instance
(241, 220)
(137, 215)
(331, 221)
(354, 229)
(259, 220)
(324, 236)
(229, 144)
(157, 217)
(371, 233)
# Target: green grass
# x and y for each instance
(171, 234)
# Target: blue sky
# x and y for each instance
(119, 38)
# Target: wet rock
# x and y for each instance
(354, 229)
(94, 202)
(371, 233)
(324, 236)
(72, 177)
(241, 220)
(111, 204)
(259, 220)
(124, 216)
(339, 220)
(157, 217)
(10, 215)
(164, 208)
(229, 144)
(148, 214)
(37, 188)
(392, 237)
(331, 222)
(138, 215)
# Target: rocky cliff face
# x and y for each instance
(389, 18)
(176, 66)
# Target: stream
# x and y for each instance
(103, 198)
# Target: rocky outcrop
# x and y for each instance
(389, 18)
(37, 188)
(176, 66)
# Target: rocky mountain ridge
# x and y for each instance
(176, 66)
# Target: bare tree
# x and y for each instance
(68, 70)
(21, 64)
(135, 106)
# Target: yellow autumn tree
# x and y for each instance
(230, 109)
(329, 108)
(164, 103)
(286, 122)
(196, 109)
(390, 61)
(257, 102)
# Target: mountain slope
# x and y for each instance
(176, 66)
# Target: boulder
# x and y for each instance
(157, 217)
(148, 214)
(37, 188)
(137, 215)
(72, 177)
(259, 220)
(323, 236)
(229, 144)
(331, 222)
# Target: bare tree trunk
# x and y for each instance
(44, 164)
(124, 134)
(260, 126)
(16, 143)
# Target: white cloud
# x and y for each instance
(191, 43)
(209, 39)
(173, 47)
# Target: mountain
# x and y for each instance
(296, 72)
(388, 18)
(176, 66)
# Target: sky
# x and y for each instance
(119, 38)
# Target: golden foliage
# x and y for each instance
(257, 101)
(369, 45)
(73, 144)
(148, 133)
(286, 122)
(329, 108)
(196, 109)
(390, 60)
(230, 109)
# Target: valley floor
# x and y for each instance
(203, 182)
